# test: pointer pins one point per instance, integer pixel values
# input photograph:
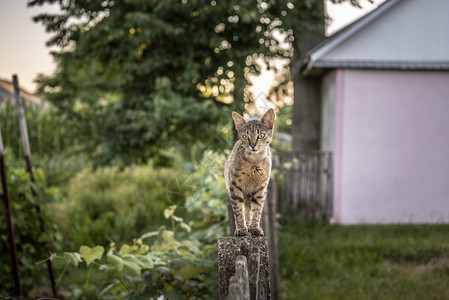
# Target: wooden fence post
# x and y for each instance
(9, 221)
(239, 282)
(27, 156)
(247, 252)
(269, 227)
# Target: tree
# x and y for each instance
(143, 75)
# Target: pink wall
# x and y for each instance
(392, 147)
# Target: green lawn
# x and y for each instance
(364, 262)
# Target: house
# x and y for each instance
(383, 90)
(7, 94)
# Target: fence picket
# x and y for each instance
(308, 186)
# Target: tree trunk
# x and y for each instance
(306, 114)
(307, 102)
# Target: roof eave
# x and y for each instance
(337, 38)
(323, 66)
(399, 65)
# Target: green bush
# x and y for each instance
(178, 260)
(115, 204)
(32, 245)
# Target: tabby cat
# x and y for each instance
(247, 171)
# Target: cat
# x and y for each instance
(247, 171)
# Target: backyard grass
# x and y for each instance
(364, 262)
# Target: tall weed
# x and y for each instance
(115, 204)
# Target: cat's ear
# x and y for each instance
(268, 118)
(238, 121)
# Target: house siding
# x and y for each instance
(392, 145)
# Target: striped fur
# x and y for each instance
(247, 171)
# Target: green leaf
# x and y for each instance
(146, 261)
(112, 288)
(132, 264)
(190, 271)
(125, 249)
(115, 261)
(149, 234)
(168, 236)
(177, 219)
(169, 211)
(91, 254)
(172, 295)
(163, 270)
(106, 289)
(155, 257)
(185, 227)
(73, 258)
(106, 268)
(192, 247)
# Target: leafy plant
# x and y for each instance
(117, 204)
(32, 244)
(175, 268)
(178, 260)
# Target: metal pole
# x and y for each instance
(11, 236)
(27, 155)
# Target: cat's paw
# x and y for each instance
(241, 231)
(256, 230)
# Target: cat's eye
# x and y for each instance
(261, 136)
(245, 137)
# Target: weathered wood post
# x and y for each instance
(270, 229)
(10, 225)
(27, 156)
(257, 255)
(235, 254)
(239, 282)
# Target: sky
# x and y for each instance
(23, 50)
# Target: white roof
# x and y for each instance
(7, 90)
(399, 34)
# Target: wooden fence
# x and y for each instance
(305, 185)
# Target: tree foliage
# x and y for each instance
(143, 75)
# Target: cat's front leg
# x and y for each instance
(237, 203)
(257, 202)
(247, 211)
